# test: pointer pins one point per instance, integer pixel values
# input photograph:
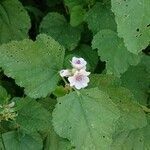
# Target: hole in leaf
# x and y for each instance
(137, 29)
(148, 25)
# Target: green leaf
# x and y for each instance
(14, 24)
(32, 116)
(132, 115)
(135, 140)
(3, 95)
(71, 3)
(14, 140)
(56, 26)
(132, 17)
(54, 142)
(86, 119)
(100, 17)
(33, 65)
(77, 15)
(112, 50)
(137, 80)
(85, 52)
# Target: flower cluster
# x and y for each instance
(77, 76)
(7, 112)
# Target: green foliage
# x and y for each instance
(39, 107)
(34, 65)
(14, 21)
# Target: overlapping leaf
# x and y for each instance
(137, 79)
(136, 139)
(14, 21)
(32, 116)
(132, 115)
(99, 18)
(34, 65)
(56, 26)
(54, 142)
(112, 50)
(3, 95)
(132, 17)
(87, 119)
(14, 140)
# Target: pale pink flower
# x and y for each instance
(65, 73)
(80, 79)
(78, 63)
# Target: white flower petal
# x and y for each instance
(78, 63)
(65, 73)
(72, 81)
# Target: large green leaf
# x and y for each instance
(14, 21)
(14, 140)
(32, 116)
(34, 65)
(56, 26)
(100, 17)
(132, 17)
(132, 115)
(137, 79)
(86, 119)
(77, 15)
(112, 50)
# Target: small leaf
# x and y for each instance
(99, 17)
(3, 95)
(33, 65)
(56, 26)
(87, 120)
(77, 15)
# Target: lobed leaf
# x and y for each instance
(34, 65)
(86, 119)
(112, 50)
